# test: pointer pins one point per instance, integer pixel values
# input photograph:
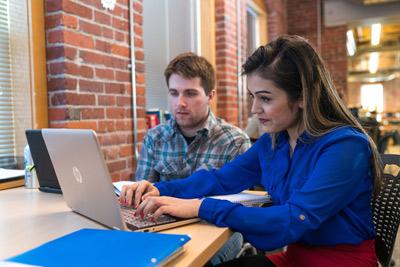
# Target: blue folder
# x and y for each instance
(94, 247)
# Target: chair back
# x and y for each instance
(386, 211)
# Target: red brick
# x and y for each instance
(138, 7)
(115, 113)
(81, 125)
(119, 36)
(90, 86)
(89, 28)
(60, 19)
(125, 150)
(120, 24)
(102, 18)
(56, 36)
(56, 52)
(138, 19)
(103, 46)
(107, 32)
(106, 126)
(69, 98)
(111, 153)
(140, 78)
(122, 76)
(114, 88)
(106, 100)
(92, 113)
(138, 42)
(116, 165)
(104, 73)
(77, 9)
(124, 101)
(121, 50)
(61, 84)
(124, 125)
(92, 58)
(57, 114)
(77, 39)
(53, 5)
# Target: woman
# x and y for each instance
(316, 162)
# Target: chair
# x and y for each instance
(386, 212)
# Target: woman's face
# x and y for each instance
(272, 105)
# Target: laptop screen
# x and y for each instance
(44, 168)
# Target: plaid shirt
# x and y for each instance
(165, 154)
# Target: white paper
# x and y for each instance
(118, 186)
(10, 173)
(244, 198)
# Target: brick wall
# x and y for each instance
(305, 18)
(276, 18)
(89, 83)
(227, 61)
(226, 58)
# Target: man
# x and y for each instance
(193, 138)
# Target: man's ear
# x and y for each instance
(211, 95)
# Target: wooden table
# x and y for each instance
(29, 218)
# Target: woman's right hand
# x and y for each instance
(136, 192)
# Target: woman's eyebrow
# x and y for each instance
(262, 92)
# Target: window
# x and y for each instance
(15, 81)
(372, 97)
(169, 28)
(253, 30)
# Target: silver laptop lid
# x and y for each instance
(83, 175)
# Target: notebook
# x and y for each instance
(44, 168)
(86, 183)
(246, 199)
(95, 247)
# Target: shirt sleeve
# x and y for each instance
(145, 167)
(331, 186)
(240, 174)
(244, 145)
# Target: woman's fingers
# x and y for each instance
(127, 193)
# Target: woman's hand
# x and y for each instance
(182, 208)
(137, 192)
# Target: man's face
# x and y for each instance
(188, 102)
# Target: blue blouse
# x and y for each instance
(321, 195)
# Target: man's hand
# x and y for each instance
(182, 208)
(137, 192)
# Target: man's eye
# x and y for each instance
(173, 93)
(191, 94)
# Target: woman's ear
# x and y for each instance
(301, 103)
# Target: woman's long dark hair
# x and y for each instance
(295, 67)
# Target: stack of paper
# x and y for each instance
(245, 199)
(11, 178)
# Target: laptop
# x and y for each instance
(86, 183)
(44, 168)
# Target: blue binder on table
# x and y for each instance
(95, 247)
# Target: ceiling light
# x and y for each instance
(373, 62)
(376, 33)
(350, 43)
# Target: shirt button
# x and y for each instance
(302, 217)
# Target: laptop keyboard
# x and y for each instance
(129, 217)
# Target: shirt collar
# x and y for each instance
(173, 128)
(304, 137)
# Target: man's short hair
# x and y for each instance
(189, 66)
